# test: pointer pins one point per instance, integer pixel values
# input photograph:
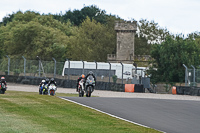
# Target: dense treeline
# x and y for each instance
(170, 55)
(88, 34)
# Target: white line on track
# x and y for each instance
(107, 113)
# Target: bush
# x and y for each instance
(114, 77)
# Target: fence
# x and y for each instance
(23, 67)
(192, 76)
(40, 68)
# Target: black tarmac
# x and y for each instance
(171, 116)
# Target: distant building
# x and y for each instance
(125, 42)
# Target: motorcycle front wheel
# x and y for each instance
(89, 91)
(52, 93)
(2, 91)
(81, 93)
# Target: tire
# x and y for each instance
(40, 91)
(88, 93)
(82, 93)
(79, 92)
(2, 91)
(46, 92)
(52, 93)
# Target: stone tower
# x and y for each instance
(125, 42)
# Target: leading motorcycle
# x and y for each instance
(52, 89)
(89, 86)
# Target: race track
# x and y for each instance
(164, 112)
(171, 116)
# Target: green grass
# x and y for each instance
(29, 112)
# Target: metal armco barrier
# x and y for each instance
(186, 90)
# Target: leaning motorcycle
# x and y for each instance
(81, 88)
(2, 88)
(41, 89)
(89, 86)
(45, 89)
(52, 89)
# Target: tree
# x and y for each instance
(76, 17)
(169, 57)
(31, 34)
(92, 41)
(148, 33)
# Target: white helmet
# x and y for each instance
(43, 80)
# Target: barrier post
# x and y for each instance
(83, 67)
(122, 72)
(8, 64)
(186, 74)
(193, 75)
(24, 66)
(54, 67)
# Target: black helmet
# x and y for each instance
(90, 73)
(52, 79)
(47, 80)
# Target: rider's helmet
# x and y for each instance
(43, 81)
(2, 78)
(47, 80)
(52, 80)
(90, 73)
(83, 76)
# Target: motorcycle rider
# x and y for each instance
(47, 80)
(52, 81)
(46, 83)
(3, 80)
(42, 82)
(77, 82)
(91, 74)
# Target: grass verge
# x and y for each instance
(22, 112)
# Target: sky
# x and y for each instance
(178, 16)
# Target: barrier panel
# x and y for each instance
(186, 90)
(139, 88)
(174, 90)
(129, 87)
(134, 88)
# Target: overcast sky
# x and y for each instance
(178, 16)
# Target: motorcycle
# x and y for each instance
(2, 88)
(81, 88)
(52, 89)
(89, 86)
(41, 89)
(45, 89)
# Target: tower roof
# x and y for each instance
(126, 25)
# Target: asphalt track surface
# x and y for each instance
(171, 116)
